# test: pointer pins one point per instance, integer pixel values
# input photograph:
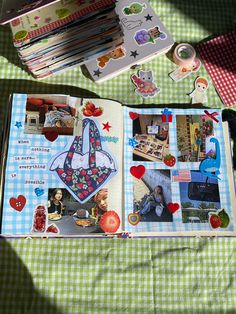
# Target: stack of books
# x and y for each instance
(66, 34)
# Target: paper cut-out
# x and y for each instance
(110, 221)
(145, 86)
(173, 207)
(134, 219)
(210, 166)
(144, 36)
(85, 166)
(133, 115)
(39, 191)
(138, 172)
(199, 95)
(169, 160)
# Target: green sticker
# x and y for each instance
(21, 35)
(62, 13)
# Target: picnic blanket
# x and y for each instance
(119, 276)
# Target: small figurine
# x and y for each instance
(198, 95)
(144, 84)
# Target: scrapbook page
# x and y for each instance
(178, 172)
(63, 175)
(90, 167)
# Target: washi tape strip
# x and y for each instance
(184, 54)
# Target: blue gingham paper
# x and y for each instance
(24, 181)
(177, 225)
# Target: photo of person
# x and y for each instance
(193, 136)
(55, 204)
(100, 199)
(152, 136)
(152, 193)
(46, 114)
(72, 217)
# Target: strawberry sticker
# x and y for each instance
(18, 203)
(138, 172)
(90, 110)
(110, 222)
(52, 229)
(169, 160)
(215, 221)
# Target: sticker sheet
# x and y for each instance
(177, 172)
(63, 172)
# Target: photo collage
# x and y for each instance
(195, 144)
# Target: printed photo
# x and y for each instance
(193, 138)
(72, 217)
(152, 136)
(152, 193)
(46, 115)
(198, 198)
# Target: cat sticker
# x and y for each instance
(118, 53)
(144, 84)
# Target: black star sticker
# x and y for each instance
(148, 17)
(97, 73)
(134, 54)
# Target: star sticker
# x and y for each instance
(106, 126)
(18, 124)
(97, 73)
(134, 54)
(148, 17)
(133, 142)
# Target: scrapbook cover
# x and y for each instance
(12, 9)
(48, 20)
(90, 167)
(145, 37)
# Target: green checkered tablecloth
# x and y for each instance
(119, 276)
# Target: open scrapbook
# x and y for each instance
(90, 167)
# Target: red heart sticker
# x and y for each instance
(173, 207)
(18, 203)
(133, 115)
(51, 135)
(138, 172)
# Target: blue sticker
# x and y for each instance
(210, 166)
(39, 191)
(18, 124)
(133, 142)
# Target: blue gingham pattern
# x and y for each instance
(20, 223)
(177, 224)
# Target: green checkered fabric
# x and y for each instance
(149, 276)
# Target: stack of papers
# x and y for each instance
(66, 34)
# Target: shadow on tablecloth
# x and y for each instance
(17, 287)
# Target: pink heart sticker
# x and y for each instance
(138, 171)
